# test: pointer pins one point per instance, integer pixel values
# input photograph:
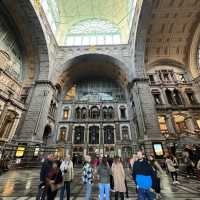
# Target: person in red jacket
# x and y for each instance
(54, 181)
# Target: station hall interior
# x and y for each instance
(98, 77)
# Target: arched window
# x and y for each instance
(157, 97)
(109, 135)
(151, 79)
(122, 112)
(180, 123)
(52, 109)
(125, 133)
(110, 112)
(7, 124)
(191, 97)
(79, 135)
(177, 97)
(169, 96)
(105, 112)
(47, 134)
(92, 32)
(83, 113)
(66, 113)
(62, 134)
(94, 135)
(94, 112)
(78, 113)
(163, 125)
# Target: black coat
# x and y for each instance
(46, 167)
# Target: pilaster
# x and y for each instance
(149, 130)
(36, 117)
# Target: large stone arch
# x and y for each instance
(66, 55)
(193, 53)
(140, 41)
(123, 69)
(29, 30)
(161, 61)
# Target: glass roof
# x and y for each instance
(90, 22)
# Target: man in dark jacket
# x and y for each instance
(44, 172)
(46, 166)
(144, 178)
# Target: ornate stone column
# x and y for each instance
(36, 117)
(14, 127)
(169, 123)
(149, 130)
(190, 123)
(4, 112)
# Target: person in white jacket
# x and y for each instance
(172, 165)
(67, 170)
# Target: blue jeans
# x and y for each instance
(87, 191)
(104, 188)
(67, 188)
(145, 194)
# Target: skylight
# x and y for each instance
(93, 31)
(90, 22)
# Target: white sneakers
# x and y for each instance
(176, 182)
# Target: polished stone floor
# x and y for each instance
(22, 185)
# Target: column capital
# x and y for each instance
(45, 82)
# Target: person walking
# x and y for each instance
(110, 162)
(158, 173)
(45, 169)
(119, 178)
(54, 181)
(143, 175)
(46, 166)
(68, 175)
(103, 172)
(189, 164)
(87, 177)
(172, 166)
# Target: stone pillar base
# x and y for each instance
(147, 144)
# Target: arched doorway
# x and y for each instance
(8, 122)
(94, 88)
(46, 135)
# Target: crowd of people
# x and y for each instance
(110, 175)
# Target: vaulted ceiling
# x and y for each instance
(92, 66)
(63, 15)
(171, 30)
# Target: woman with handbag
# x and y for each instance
(54, 181)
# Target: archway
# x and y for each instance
(47, 134)
(7, 124)
(26, 26)
(97, 65)
(95, 87)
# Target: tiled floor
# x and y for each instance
(22, 185)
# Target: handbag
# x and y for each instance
(55, 187)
